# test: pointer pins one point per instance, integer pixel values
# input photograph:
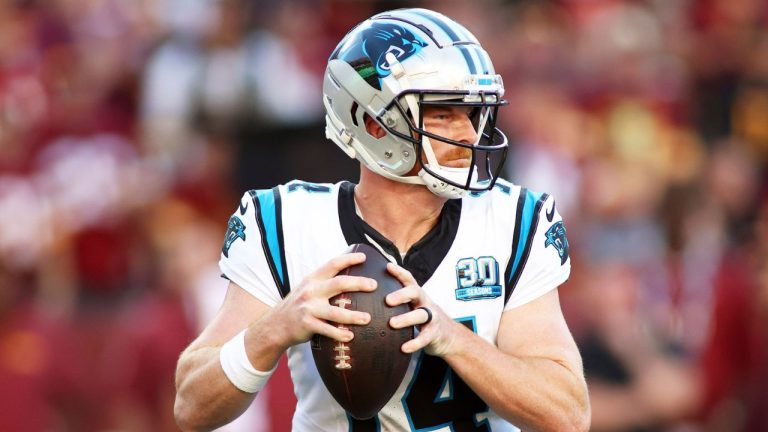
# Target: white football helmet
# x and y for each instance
(393, 65)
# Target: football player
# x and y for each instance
(413, 96)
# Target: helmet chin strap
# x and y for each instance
(443, 189)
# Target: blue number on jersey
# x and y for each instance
(437, 397)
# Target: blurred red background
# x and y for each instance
(128, 130)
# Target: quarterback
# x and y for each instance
(413, 96)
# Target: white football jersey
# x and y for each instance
(489, 252)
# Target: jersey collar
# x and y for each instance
(424, 256)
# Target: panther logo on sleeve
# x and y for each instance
(557, 238)
(235, 230)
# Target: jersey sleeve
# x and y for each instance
(244, 259)
(542, 258)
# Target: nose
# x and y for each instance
(465, 132)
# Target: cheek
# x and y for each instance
(437, 130)
(439, 148)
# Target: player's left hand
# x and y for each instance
(435, 336)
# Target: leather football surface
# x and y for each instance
(363, 374)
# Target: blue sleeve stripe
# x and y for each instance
(268, 217)
(525, 225)
(281, 241)
(526, 221)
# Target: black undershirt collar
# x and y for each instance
(424, 256)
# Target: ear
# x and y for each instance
(373, 127)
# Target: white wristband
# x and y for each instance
(234, 361)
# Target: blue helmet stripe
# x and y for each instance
(451, 35)
(466, 36)
(484, 60)
(468, 59)
(436, 19)
(471, 56)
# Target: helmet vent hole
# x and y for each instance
(353, 112)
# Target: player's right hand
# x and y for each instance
(307, 309)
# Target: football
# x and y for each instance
(363, 374)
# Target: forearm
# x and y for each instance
(205, 397)
(534, 393)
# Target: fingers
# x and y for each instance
(339, 284)
(413, 318)
(332, 283)
(336, 265)
(425, 337)
(404, 276)
(331, 330)
(330, 321)
(411, 291)
(409, 294)
(340, 315)
(416, 317)
(314, 315)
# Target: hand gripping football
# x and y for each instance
(363, 374)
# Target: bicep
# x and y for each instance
(237, 312)
(538, 329)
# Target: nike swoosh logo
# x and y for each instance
(551, 212)
(243, 208)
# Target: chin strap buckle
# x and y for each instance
(345, 136)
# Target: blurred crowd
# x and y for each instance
(129, 129)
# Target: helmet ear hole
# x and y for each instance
(373, 128)
(353, 113)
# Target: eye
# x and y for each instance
(438, 114)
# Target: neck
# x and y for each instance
(402, 212)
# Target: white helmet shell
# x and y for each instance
(393, 65)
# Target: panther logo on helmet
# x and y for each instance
(368, 52)
(385, 38)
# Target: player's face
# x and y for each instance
(453, 123)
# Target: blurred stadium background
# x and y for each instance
(129, 129)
